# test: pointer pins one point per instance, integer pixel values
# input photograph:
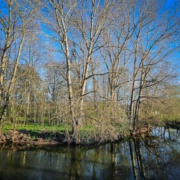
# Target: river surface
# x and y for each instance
(152, 158)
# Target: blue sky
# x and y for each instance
(169, 4)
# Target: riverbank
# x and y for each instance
(24, 137)
(46, 138)
(47, 134)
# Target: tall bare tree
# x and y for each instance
(15, 26)
(150, 51)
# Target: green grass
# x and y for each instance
(36, 127)
(86, 133)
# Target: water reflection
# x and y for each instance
(139, 158)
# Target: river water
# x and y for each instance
(151, 158)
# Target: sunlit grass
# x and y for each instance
(36, 127)
(46, 127)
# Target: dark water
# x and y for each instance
(144, 158)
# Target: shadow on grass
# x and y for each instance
(44, 134)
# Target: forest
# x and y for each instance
(88, 68)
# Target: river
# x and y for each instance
(151, 158)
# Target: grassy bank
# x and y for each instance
(62, 133)
(36, 127)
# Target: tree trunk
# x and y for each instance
(6, 103)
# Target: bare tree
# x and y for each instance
(149, 51)
(57, 16)
(14, 26)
